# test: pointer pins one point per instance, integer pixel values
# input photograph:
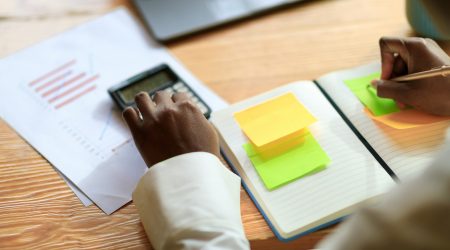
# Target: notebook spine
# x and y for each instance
(358, 134)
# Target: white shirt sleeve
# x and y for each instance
(414, 216)
(191, 201)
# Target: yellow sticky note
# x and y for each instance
(274, 120)
(406, 119)
(280, 146)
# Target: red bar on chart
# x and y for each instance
(87, 81)
(64, 84)
(54, 71)
(73, 98)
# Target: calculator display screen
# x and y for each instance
(146, 84)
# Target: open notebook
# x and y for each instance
(366, 157)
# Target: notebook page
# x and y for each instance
(352, 176)
(407, 152)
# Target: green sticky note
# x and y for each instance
(306, 158)
(362, 88)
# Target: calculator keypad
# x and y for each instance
(180, 87)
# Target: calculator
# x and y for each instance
(159, 78)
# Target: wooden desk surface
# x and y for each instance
(37, 209)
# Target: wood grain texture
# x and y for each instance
(38, 210)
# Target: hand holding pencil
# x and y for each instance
(405, 56)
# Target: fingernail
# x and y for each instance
(375, 83)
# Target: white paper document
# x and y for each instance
(55, 95)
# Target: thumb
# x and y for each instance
(399, 91)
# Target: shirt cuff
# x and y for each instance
(188, 191)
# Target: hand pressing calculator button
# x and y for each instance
(160, 78)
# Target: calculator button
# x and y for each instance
(178, 85)
(169, 90)
(189, 94)
(195, 99)
(182, 89)
(202, 108)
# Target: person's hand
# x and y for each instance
(171, 126)
(401, 56)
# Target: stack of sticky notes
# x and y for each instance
(367, 94)
(385, 110)
(281, 147)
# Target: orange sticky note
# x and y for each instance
(406, 119)
(275, 120)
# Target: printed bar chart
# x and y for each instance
(64, 84)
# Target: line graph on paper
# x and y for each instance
(64, 84)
